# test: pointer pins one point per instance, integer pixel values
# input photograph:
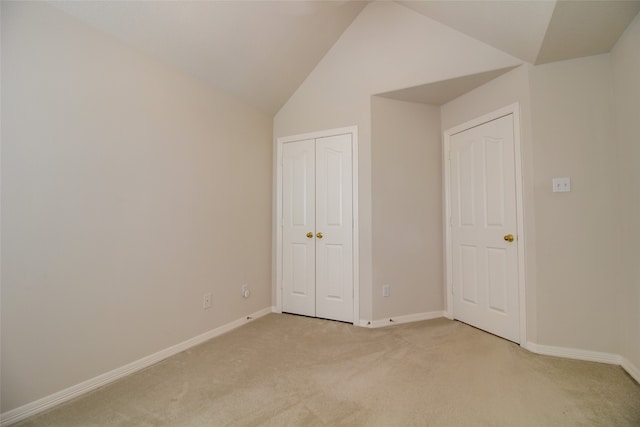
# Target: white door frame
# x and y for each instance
(513, 109)
(353, 130)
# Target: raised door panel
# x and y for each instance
(468, 274)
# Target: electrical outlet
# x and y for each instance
(386, 290)
(245, 291)
(206, 301)
(562, 185)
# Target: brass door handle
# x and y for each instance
(508, 237)
(310, 235)
(320, 235)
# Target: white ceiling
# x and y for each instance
(536, 31)
(261, 51)
(584, 28)
(516, 27)
(441, 92)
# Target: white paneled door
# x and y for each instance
(298, 234)
(317, 227)
(484, 252)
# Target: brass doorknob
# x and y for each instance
(320, 235)
(310, 235)
(508, 237)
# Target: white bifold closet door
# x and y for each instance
(317, 222)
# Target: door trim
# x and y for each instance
(353, 131)
(513, 109)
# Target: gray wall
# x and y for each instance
(407, 207)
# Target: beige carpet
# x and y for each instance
(284, 370)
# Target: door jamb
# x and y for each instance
(353, 130)
(513, 109)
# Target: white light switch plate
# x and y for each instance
(561, 185)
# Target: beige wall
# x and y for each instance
(577, 232)
(387, 47)
(573, 288)
(505, 90)
(575, 292)
(407, 208)
(128, 191)
(626, 69)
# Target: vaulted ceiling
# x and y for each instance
(261, 51)
(539, 31)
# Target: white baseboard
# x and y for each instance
(77, 390)
(631, 369)
(48, 402)
(401, 319)
(573, 353)
(590, 356)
